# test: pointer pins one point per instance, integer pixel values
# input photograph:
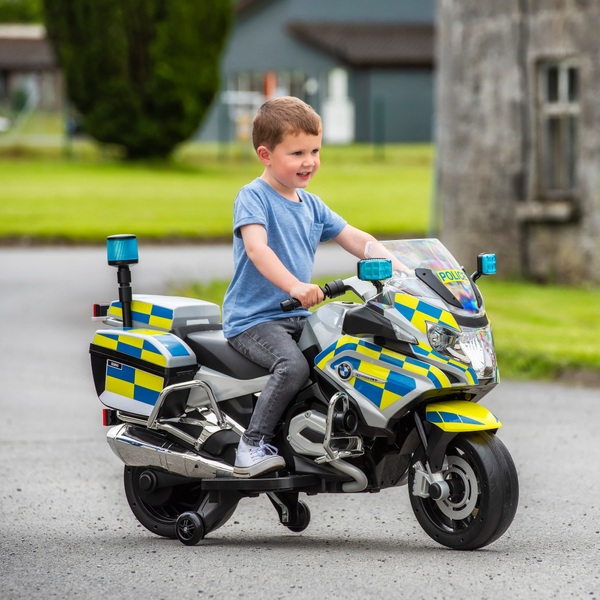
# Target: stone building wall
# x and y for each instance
(499, 65)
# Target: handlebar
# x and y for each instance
(330, 290)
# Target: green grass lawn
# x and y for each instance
(544, 331)
(86, 199)
(541, 332)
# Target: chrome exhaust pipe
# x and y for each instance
(141, 448)
(360, 479)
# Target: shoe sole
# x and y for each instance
(258, 469)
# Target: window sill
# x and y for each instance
(548, 211)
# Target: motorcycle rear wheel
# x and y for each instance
(158, 510)
(484, 498)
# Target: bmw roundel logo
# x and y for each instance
(344, 370)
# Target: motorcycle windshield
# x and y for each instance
(425, 268)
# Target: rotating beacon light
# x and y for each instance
(122, 251)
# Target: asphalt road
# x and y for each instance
(66, 530)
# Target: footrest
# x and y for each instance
(260, 484)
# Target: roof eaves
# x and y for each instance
(360, 45)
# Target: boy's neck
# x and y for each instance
(288, 193)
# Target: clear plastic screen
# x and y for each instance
(410, 255)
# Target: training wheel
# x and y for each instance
(302, 519)
(189, 528)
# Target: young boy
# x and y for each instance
(277, 227)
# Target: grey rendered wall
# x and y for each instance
(394, 106)
(487, 172)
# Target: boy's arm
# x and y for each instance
(353, 240)
(270, 267)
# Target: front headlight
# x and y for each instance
(474, 347)
(441, 339)
(478, 346)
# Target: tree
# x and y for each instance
(21, 11)
(142, 73)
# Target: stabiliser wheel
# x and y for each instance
(189, 528)
(157, 506)
(302, 519)
(484, 497)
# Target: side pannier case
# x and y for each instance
(131, 367)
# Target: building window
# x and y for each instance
(271, 83)
(558, 94)
(247, 91)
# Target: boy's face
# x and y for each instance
(292, 163)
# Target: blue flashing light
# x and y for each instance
(374, 269)
(488, 264)
(122, 249)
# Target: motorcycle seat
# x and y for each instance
(214, 351)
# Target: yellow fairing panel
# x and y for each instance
(459, 415)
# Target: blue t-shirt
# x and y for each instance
(294, 230)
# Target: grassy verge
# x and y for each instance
(49, 197)
(548, 332)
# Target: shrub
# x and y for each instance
(141, 73)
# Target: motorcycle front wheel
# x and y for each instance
(158, 509)
(484, 498)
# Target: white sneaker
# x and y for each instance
(251, 461)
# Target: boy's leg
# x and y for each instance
(273, 345)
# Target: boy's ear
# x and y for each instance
(264, 154)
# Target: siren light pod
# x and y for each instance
(374, 269)
(122, 249)
(486, 264)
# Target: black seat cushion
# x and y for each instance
(215, 352)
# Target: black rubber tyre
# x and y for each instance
(189, 528)
(302, 518)
(485, 499)
(158, 511)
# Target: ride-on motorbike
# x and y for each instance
(392, 400)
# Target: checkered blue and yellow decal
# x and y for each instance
(460, 415)
(430, 354)
(133, 383)
(145, 312)
(370, 374)
(146, 344)
(419, 312)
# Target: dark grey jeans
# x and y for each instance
(273, 345)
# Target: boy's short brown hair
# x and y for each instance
(281, 116)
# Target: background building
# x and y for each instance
(518, 143)
(366, 67)
(28, 68)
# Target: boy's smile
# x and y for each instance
(292, 163)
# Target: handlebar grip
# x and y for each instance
(334, 288)
(291, 304)
(330, 290)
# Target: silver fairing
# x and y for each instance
(224, 387)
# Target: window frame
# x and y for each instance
(560, 103)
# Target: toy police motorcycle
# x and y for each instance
(392, 400)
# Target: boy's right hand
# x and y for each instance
(309, 294)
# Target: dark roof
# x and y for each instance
(364, 45)
(25, 48)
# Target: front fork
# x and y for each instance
(428, 481)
